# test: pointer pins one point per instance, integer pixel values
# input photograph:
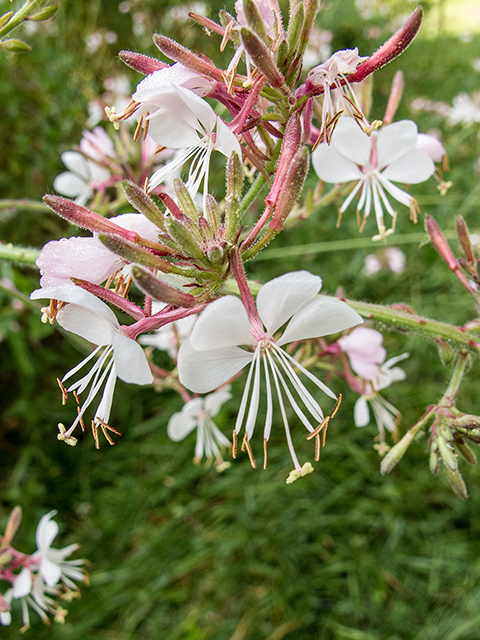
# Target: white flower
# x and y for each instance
(465, 109)
(5, 616)
(385, 413)
(213, 355)
(390, 154)
(198, 413)
(122, 357)
(181, 120)
(88, 258)
(365, 351)
(52, 564)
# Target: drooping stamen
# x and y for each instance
(264, 453)
(64, 392)
(234, 444)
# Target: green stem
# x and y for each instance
(253, 192)
(403, 321)
(456, 379)
(21, 255)
(30, 205)
(19, 16)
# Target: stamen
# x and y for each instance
(339, 219)
(147, 125)
(64, 392)
(226, 35)
(246, 446)
(234, 444)
(324, 432)
(138, 128)
(337, 406)
(104, 426)
(95, 435)
(264, 453)
(315, 433)
(80, 417)
(317, 448)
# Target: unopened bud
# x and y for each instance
(12, 525)
(254, 19)
(291, 190)
(434, 460)
(396, 453)
(456, 482)
(15, 45)
(464, 237)
(233, 207)
(185, 200)
(447, 354)
(5, 18)
(141, 63)
(143, 203)
(159, 290)
(86, 219)
(295, 26)
(311, 9)
(263, 59)
(392, 48)
(181, 54)
(394, 98)
(212, 213)
(465, 451)
(182, 235)
(132, 252)
(43, 14)
(290, 146)
(448, 457)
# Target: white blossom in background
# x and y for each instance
(374, 162)
(465, 109)
(119, 356)
(85, 170)
(198, 414)
(213, 354)
(391, 258)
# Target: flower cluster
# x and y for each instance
(37, 581)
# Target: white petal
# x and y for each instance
(214, 401)
(181, 424)
(204, 371)
(130, 360)
(413, 167)
(77, 164)
(47, 529)
(139, 223)
(395, 140)
(23, 583)
(431, 145)
(78, 296)
(105, 406)
(281, 298)
(322, 317)
(70, 185)
(85, 324)
(331, 166)
(226, 142)
(361, 414)
(224, 323)
(50, 572)
(351, 142)
(173, 131)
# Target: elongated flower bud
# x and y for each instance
(254, 19)
(86, 219)
(185, 200)
(396, 453)
(159, 290)
(181, 54)
(311, 9)
(457, 483)
(464, 237)
(143, 203)
(141, 63)
(233, 211)
(134, 253)
(394, 98)
(12, 525)
(263, 59)
(448, 457)
(212, 213)
(465, 451)
(290, 147)
(392, 48)
(291, 190)
(44, 14)
(295, 27)
(185, 239)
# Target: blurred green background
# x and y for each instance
(180, 552)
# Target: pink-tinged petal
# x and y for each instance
(185, 421)
(83, 258)
(224, 323)
(413, 167)
(177, 75)
(50, 572)
(139, 223)
(331, 166)
(130, 361)
(322, 317)
(394, 140)
(361, 414)
(431, 145)
(47, 529)
(351, 142)
(204, 371)
(85, 324)
(214, 401)
(365, 351)
(279, 299)
(78, 296)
